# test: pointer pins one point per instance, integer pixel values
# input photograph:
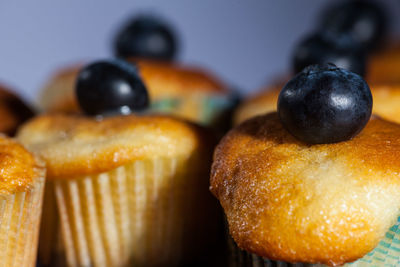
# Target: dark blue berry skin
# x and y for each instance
(146, 37)
(111, 87)
(320, 49)
(365, 22)
(325, 104)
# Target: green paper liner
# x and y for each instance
(242, 258)
(386, 254)
(203, 109)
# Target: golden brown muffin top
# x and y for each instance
(18, 167)
(173, 79)
(162, 79)
(77, 145)
(290, 201)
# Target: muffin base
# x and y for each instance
(387, 254)
(19, 226)
(242, 258)
(147, 213)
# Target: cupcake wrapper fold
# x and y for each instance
(242, 258)
(135, 215)
(386, 254)
(19, 226)
(205, 109)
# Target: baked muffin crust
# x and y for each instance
(286, 200)
(78, 145)
(18, 167)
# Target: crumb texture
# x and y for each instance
(77, 145)
(289, 201)
(19, 169)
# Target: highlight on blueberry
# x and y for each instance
(146, 37)
(364, 21)
(325, 104)
(109, 87)
(320, 49)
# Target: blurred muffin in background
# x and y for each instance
(13, 111)
(313, 49)
(365, 24)
(58, 93)
(150, 44)
(361, 23)
(384, 66)
(188, 92)
(261, 103)
(351, 35)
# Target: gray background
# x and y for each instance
(246, 42)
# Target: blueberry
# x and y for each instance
(361, 20)
(113, 86)
(146, 37)
(320, 49)
(325, 104)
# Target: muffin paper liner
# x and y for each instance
(204, 109)
(242, 258)
(140, 214)
(386, 254)
(19, 226)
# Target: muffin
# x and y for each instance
(122, 190)
(187, 92)
(315, 183)
(21, 193)
(150, 44)
(13, 111)
(288, 201)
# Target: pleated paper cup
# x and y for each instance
(147, 213)
(208, 110)
(242, 258)
(386, 254)
(19, 225)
